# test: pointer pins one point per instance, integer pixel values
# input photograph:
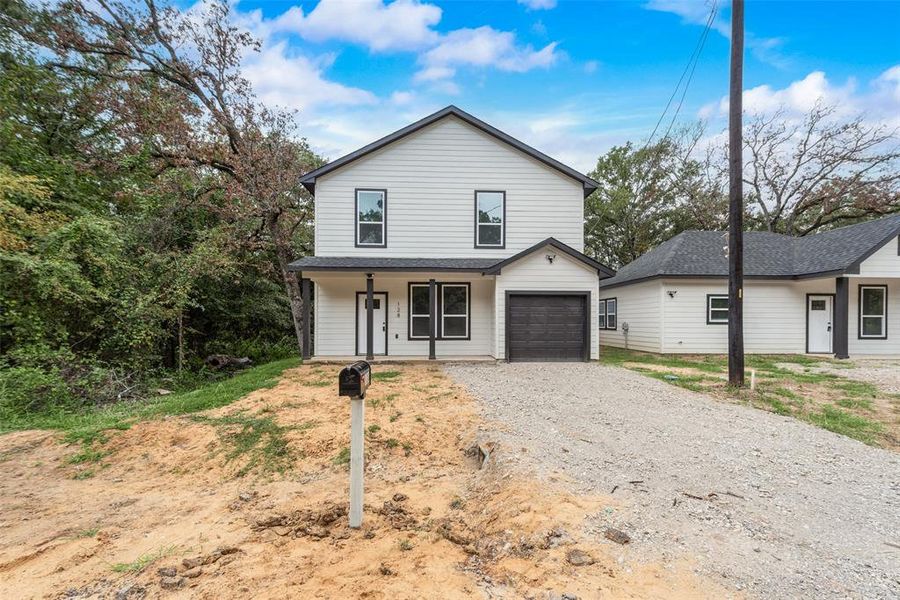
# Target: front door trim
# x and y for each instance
(356, 317)
(806, 309)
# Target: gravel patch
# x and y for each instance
(767, 505)
(882, 373)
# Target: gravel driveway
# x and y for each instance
(797, 511)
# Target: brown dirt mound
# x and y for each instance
(166, 515)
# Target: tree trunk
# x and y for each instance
(291, 285)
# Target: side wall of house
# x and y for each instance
(885, 262)
(431, 177)
(536, 273)
(889, 346)
(774, 316)
(639, 306)
(335, 315)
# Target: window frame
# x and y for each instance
(883, 316)
(709, 309)
(615, 313)
(502, 243)
(601, 314)
(441, 315)
(439, 310)
(357, 222)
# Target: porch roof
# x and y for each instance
(376, 264)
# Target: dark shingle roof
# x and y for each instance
(487, 266)
(766, 255)
(363, 263)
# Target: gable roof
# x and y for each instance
(485, 266)
(309, 180)
(766, 255)
(602, 269)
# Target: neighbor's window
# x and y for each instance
(418, 311)
(490, 214)
(716, 309)
(370, 217)
(873, 311)
(601, 319)
(611, 312)
(454, 310)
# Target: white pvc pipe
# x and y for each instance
(357, 466)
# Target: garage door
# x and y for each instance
(547, 327)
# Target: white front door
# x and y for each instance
(379, 323)
(818, 324)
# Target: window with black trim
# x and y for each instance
(490, 219)
(453, 311)
(371, 218)
(716, 309)
(873, 312)
(612, 309)
(601, 317)
(418, 311)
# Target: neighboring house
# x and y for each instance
(449, 238)
(836, 292)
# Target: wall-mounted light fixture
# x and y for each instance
(672, 293)
(550, 258)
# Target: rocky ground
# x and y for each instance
(249, 501)
(769, 506)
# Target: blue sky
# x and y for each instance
(569, 77)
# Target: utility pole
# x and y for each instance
(736, 200)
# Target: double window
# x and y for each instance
(371, 218)
(873, 312)
(453, 310)
(608, 313)
(716, 309)
(490, 219)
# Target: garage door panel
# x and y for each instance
(547, 327)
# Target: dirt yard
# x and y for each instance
(249, 501)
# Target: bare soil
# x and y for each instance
(165, 513)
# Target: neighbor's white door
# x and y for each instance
(818, 329)
(379, 323)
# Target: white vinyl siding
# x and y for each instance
(637, 305)
(536, 273)
(431, 177)
(335, 314)
(872, 346)
(884, 262)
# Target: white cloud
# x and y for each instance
(538, 4)
(878, 103)
(402, 98)
(482, 47)
(399, 25)
(591, 66)
(297, 82)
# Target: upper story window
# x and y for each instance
(873, 312)
(371, 218)
(490, 219)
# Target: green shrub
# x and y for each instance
(25, 390)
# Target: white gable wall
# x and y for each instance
(885, 262)
(536, 273)
(431, 177)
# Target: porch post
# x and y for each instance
(432, 316)
(841, 323)
(307, 312)
(370, 286)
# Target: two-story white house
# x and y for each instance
(447, 239)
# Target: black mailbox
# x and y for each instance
(354, 379)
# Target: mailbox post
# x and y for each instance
(353, 381)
